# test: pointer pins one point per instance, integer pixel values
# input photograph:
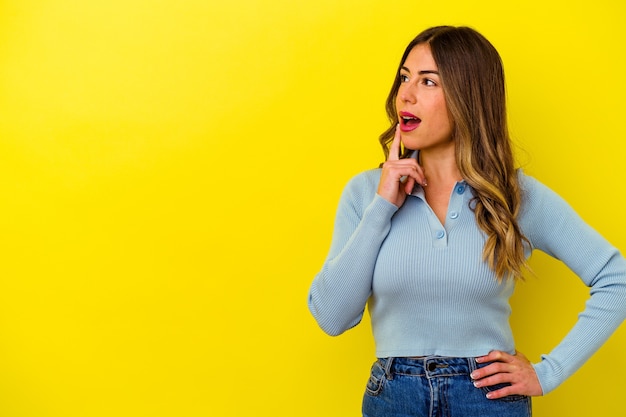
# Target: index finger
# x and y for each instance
(394, 149)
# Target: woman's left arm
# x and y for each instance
(554, 227)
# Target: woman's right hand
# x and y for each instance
(399, 176)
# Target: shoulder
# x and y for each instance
(370, 176)
(542, 209)
(529, 185)
(534, 193)
(361, 188)
(365, 182)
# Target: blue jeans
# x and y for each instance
(434, 386)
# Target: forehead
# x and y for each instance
(420, 59)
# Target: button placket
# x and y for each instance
(456, 204)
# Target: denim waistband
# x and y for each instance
(428, 366)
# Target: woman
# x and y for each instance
(434, 241)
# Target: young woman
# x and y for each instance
(434, 241)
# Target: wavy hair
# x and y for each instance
(472, 78)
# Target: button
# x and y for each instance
(440, 234)
(432, 366)
(460, 189)
(454, 215)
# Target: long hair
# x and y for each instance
(472, 78)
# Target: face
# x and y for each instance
(424, 120)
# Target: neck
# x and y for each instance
(440, 168)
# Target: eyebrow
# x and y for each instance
(421, 72)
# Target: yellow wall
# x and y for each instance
(169, 172)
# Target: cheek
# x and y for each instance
(442, 110)
(446, 123)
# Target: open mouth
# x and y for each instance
(410, 120)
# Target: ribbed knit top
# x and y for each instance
(428, 290)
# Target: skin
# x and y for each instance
(421, 94)
(513, 369)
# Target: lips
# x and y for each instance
(408, 121)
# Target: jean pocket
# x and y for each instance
(376, 380)
(510, 398)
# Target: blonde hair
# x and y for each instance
(472, 79)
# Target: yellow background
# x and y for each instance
(169, 172)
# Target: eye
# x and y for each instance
(404, 78)
(429, 82)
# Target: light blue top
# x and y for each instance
(430, 293)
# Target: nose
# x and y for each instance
(407, 94)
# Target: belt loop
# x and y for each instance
(472, 364)
(387, 368)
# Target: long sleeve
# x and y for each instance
(553, 227)
(340, 291)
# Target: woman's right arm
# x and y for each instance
(340, 291)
